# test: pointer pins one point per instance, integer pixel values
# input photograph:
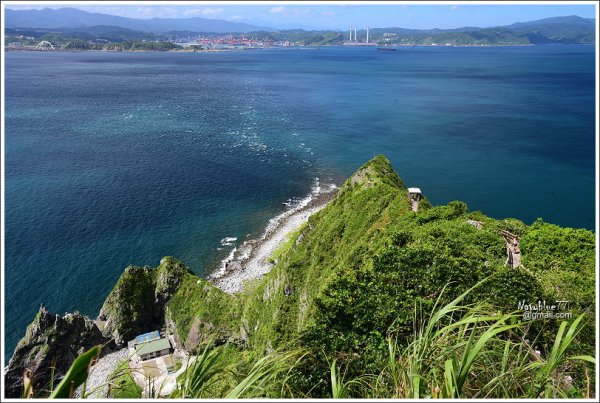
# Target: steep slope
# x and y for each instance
(50, 340)
(146, 299)
(339, 239)
(362, 269)
(137, 302)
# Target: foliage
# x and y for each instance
(199, 309)
(122, 385)
(202, 373)
(76, 375)
(225, 372)
(369, 299)
(474, 352)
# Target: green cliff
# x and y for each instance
(357, 273)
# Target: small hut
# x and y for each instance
(414, 194)
(150, 345)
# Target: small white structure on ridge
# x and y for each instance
(414, 195)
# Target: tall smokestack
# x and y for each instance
(367, 34)
(350, 40)
(355, 40)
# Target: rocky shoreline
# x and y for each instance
(251, 259)
(137, 303)
(98, 379)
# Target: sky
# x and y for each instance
(341, 16)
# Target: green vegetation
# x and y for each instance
(456, 351)
(121, 384)
(563, 30)
(141, 46)
(361, 267)
(370, 299)
(85, 41)
(199, 311)
(130, 305)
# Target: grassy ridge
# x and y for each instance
(358, 271)
(335, 240)
(199, 311)
(370, 299)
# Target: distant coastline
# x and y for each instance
(127, 35)
(184, 50)
(8, 49)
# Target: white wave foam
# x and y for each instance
(228, 239)
(294, 206)
(221, 269)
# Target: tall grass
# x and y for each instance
(201, 373)
(268, 377)
(474, 352)
(214, 373)
(456, 351)
(342, 388)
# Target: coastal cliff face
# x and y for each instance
(50, 340)
(342, 237)
(347, 279)
(169, 297)
(137, 302)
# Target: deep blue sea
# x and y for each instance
(121, 158)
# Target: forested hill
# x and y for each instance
(78, 24)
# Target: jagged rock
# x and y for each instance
(137, 302)
(244, 331)
(169, 277)
(233, 266)
(50, 340)
(129, 308)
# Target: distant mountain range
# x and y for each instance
(84, 25)
(75, 18)
(568, 29)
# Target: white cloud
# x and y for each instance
(292, 12)
(454, 7)
(328, 13)
(236, 18)
(203, 11)
(153, 12)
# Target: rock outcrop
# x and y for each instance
(50, 341)
(137, 302)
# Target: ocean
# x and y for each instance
(122, 158)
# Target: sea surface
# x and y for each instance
(122, 158)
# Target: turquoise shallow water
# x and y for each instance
(121, 158)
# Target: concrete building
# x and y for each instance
(150, 345)
(153, 349)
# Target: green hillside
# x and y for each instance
(370, 299)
